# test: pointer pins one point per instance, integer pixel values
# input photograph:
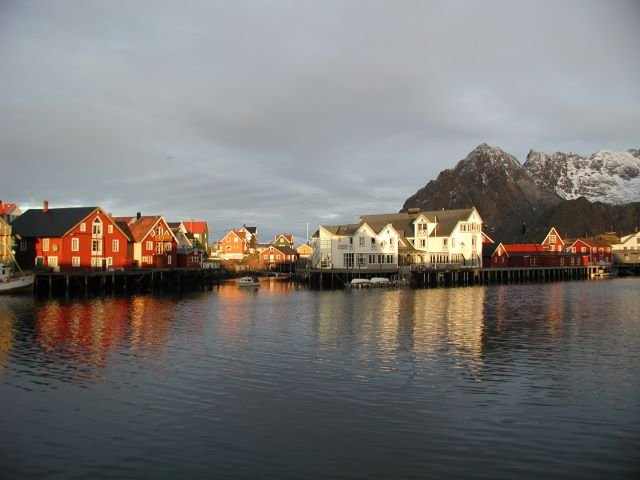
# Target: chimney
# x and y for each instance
(45, 206)
(138, 215)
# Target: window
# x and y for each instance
(109, 261)
(45, 244)
(362, 241)
(96, 246)
(389, 258)
(423, 243)
(75, 261)
(83, 227)
(583, 250)
(373, 241)
(75, 245)
(235, 239)
(115, 246)
(348, 260)
(149, 245)
(391, 241)
(372, 259)
(350, 240)
(422, 228)
(361, 259)
(159, 247)
(169, 260)
(167, 247)
(97, 227)
(445, 242)
(552, 239)
(52, 261)
(110, 229)
(453, 243)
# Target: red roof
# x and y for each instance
(6, 208)
(136, 228)
(195, 227)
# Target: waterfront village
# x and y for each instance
(81, 239)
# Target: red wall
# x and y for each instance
(61, 247)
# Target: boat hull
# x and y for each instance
(17, 284)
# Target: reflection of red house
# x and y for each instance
(70, 239)
(592, 252)
(153, 244)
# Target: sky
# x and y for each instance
(283, 114)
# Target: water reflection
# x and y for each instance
(501, 382)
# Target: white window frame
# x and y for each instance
(75, 244)
(75, 261)
(45, 244)
(115, 245)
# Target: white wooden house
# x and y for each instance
(436, 238)
(627, 251)
(356, 246)
(431, 239)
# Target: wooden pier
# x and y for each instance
(116, 281)
(449, 276)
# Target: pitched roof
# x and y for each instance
(6, 208)
(404, 222)
(137, 228)
(55, 222)
(196, 227)
(592, 242)
(284, 250)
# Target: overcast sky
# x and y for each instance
(279, 113)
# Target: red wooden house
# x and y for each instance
(152, 244)
(70, 239)
(550, 253)
(592, 252)
(234, 245)
(553, 241)
(275, 255)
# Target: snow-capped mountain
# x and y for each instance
(607, 176)
(545, 191)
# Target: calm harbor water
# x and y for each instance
(517, 381)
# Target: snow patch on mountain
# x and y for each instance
(607, 176)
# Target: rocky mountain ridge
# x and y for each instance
(547, 190)
(607, 176)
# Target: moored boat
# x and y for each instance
(11, 282)
(379, 282)
(359, 283)
(249, 282)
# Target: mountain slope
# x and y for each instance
(513, 199)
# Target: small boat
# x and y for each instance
(379, 282)
(359, 283)
(11, 282)
(249, 282)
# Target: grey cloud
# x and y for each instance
(278, 113)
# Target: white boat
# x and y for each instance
(249, 282)
(360, 283)
(379, 281)
(11, 282)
